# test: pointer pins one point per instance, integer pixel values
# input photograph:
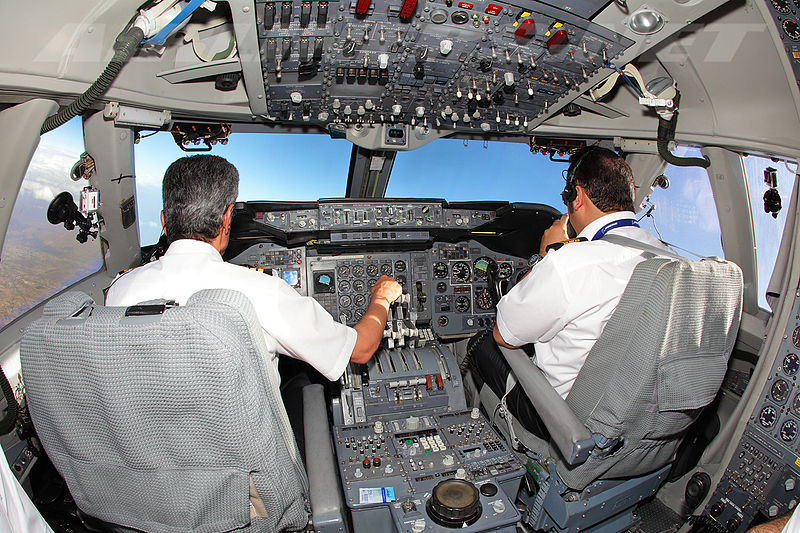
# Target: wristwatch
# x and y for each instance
(532, 260)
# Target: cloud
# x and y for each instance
(48, 173)
(151, 224)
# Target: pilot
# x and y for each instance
(563, 304)
(198, 194)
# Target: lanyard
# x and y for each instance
(624, 222)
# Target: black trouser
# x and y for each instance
(490, 367)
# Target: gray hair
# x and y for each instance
(196, 192)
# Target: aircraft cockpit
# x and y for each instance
(428, 141)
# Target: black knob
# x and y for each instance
(454, 503)
(733, 524)
(697, 489)
(717, 509)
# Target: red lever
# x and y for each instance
(558, 38)
(362, 7)
(408, 9)
(526, 29)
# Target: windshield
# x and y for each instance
(308, 167)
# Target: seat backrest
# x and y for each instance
(165, 422)
(660, 359)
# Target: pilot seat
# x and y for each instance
(659, 361)
(168, 418)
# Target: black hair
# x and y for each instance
(604, 175)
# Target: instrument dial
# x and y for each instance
(792, 29)
(344, 286)
(460, 272)
(796, 337)
(441, 287)
(483, 300)
(481, 266)
(400, 266)
(345, 301)
(505, 270)
(462, 304)
(440, 270)
(348, 316)
(372, 270)
(401, 280)
(791, 364)
(796, 405)
(358, 271)
(767, 417)
(780, 391)
(781, 6)
(359, 314)
(386, 269)
(343, 271)
(360, 300)
(358, 285)
(443, 320)
(371, 282)
(788, 431)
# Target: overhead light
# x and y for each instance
(646, 21)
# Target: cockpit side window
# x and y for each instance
(768, 218)
(683, 214)
(40, 259)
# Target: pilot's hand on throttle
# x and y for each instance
(555, 233)
(386, 288)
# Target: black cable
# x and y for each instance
(9, 421)
(666, 133)
(125, 46)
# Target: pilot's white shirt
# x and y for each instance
(563, 305)
(292, 324)
(17, 512)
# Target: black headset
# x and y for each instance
(570, 191)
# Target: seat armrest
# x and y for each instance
(324, 489)
(568, 433)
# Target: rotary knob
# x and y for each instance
(454, 503)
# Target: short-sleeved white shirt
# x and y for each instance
(293, 325)
(563, 305)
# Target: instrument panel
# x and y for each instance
(448, 283)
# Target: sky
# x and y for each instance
(309, 167)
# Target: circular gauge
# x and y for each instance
(788, 430)
(768, 416)
(372, 270)
(483, 300)
(348, 316)
(343, 271)
(400, 266)
(460, 272)
(443, 320)
(780, 391)
(792, 29)
(360, 300)
(796, 405)
(358, 285)
(371, 282)
(401, 280)
(781, 6)
(359, 314)
(345, 301)
(440, 270)
(441, 286)
(481, 266)
(344, 286)
(796, 337)
(462, 304)
(504, 270)
(791, 364)
(386, 269)
(358, 271)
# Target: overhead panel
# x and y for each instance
(482, 65)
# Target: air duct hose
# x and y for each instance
(666, 132)
(125, 46)
(9, 421)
